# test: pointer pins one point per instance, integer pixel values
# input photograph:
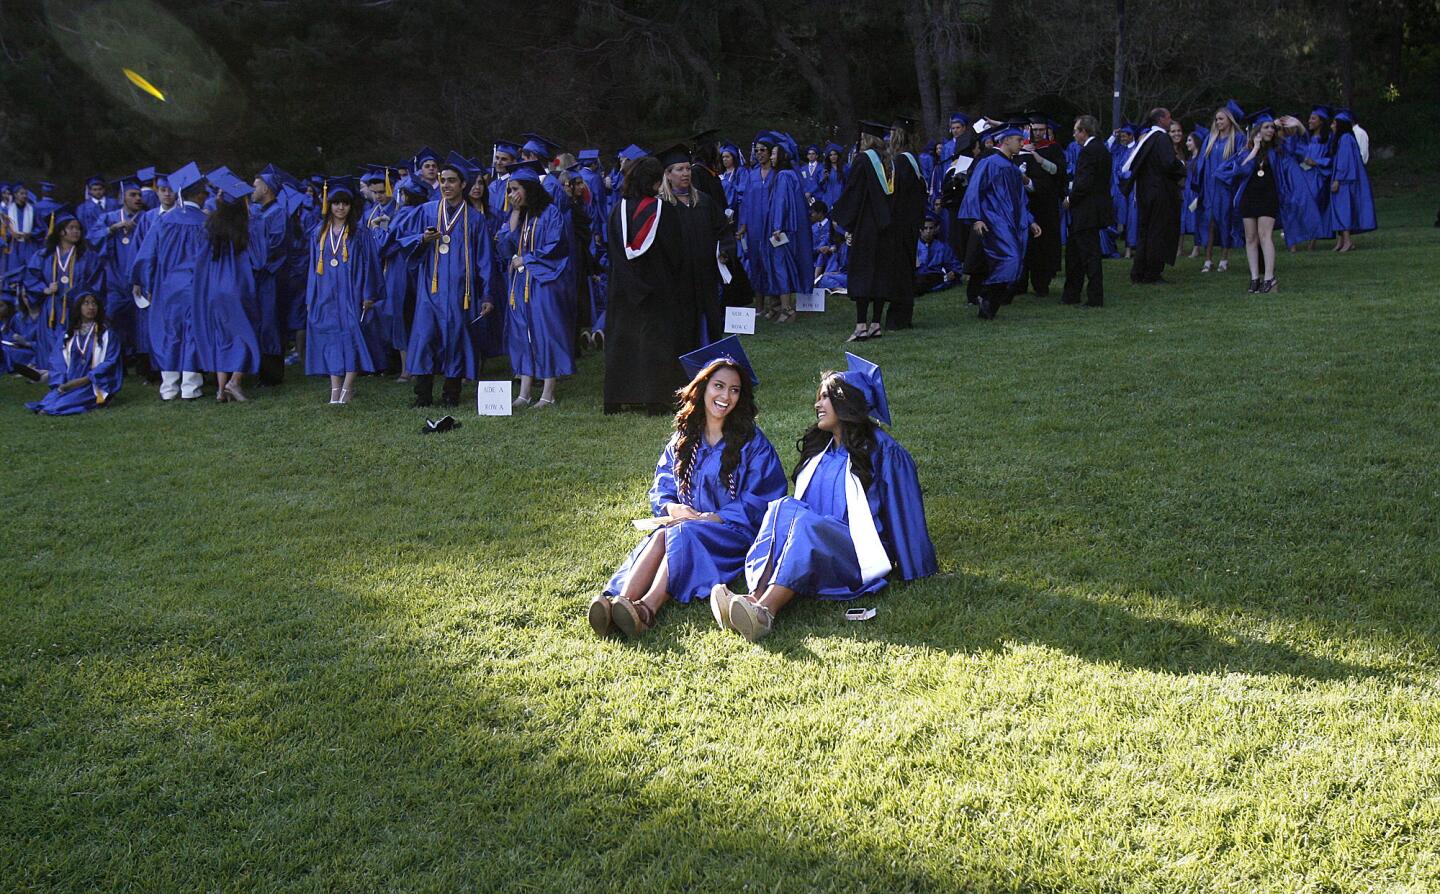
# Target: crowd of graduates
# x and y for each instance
(431, 267)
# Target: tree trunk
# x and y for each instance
(924, 66)
(1117, 96)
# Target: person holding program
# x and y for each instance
(715, 477)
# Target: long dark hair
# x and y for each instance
(357, 211)
(1340, 129)
(737, 430)
(229, 228)
(642, 177)
(857, 432)
(52, 241)
(537, 198)
(75, 321)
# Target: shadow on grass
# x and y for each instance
(963, 614)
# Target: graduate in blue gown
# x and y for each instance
(732, 176)
(86, 367)
(1215, 220)
(227, 307)
(995, 207)
(808, 170)
(1298, 215)
(64, 268)
(534, 252)
(715, 477)
(115, 237)
(1352, 207)
(791, 262)
(165, 202)
(752, 233)
(343, 337)
(270, 216)
(832, 175)
(453, 308)
(164, 279)
(398, 267)
(22, 229)
(857, 515)
(17, 352)
(97, 202)
(936, 267)
(1193, 142)
(1313, 150)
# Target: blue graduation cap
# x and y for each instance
(414, 186)
(1234, 109)
(527, 170)
(275, 178)
(786, 142)
(866, 376)
(467, 169)
(834, 147)
(338, 187)
(218, 172)
(229, 186)
(126, 184)
(425, 154)
(546, 148)
(186, 177)
(960, 118)
(631, 152)
(727, 348)
(162, 181)
(1321, 111)
(46, 187)
(291, 199)
(145, 175)
(1260, 117)
(374, 174)
(589, 155)
(94, 179)
(765, 138)
(1344, 115)
(1201, 132)
(506, 146)
(1012, 129)
(812, 147)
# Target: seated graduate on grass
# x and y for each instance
(86, 368)
(857, 513)
(17, 353)
(715, 477)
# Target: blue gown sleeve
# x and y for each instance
(108, 373)
(34, 279)
(142, 271)
(1347, 160)
(902, 511)
(970, 206)
(98, 231)
(505, 241)
(548, 259)
(411, 235)
(664, 490)
(760, 480)
(369, 278)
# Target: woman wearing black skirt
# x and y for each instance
(1259, 207)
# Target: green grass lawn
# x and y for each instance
(1185, 636)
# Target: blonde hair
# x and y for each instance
(1235, 130)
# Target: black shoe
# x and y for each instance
(1268, 286)
(422, 402)
(448, 401)
(1254, 286)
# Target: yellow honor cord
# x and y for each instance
(465, 234)
(435, 262)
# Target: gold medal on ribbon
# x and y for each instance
(65, 280)
(125, 240)
(1260, 173)
(445, 240)
(334, 262)
(444, 249)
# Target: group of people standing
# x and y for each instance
(430, 267)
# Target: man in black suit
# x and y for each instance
(1155, 174)
(1091, 210)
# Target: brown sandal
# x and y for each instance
(633, 618)
(598, 615)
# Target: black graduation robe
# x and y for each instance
(652, 316)
(878, 266)
(703, 232)
(1155, 175)
(1043, 255)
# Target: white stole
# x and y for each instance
(874, 561)
(98, 345)
(1136, 151)
(16, 225)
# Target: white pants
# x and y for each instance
(186, 384)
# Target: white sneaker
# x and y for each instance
(720, 599)
(1224, 265)
(750, 619)
(1205, 268)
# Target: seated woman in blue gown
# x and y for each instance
(715, 477)
(86, 368)
(857, 514)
